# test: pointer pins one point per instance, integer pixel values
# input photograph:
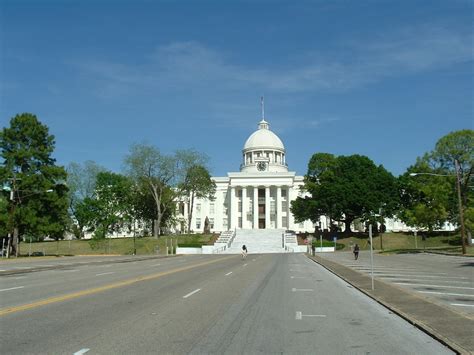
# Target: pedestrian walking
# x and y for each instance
(244, 251)
(356, 251)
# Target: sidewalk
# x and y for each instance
(445, 325)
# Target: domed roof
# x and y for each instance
(263, 138)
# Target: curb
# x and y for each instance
(418, 324)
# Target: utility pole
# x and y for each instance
(461, 217)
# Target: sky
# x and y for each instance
(385, 79)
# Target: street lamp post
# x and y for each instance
(458, 188)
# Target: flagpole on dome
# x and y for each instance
(263, 107)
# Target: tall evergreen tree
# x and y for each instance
(35, 184)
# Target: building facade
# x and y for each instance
(256, 197)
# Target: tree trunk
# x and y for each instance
(347, 226)
(15, 242)
(190, 211)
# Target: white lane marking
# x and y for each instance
(300, 315)
(12, 288)
(228, 273)
(436, 286)
(3, 270)
(19, 278)
(105, 273)
(245, 264)
(447, 293)
(74, 270)
(46, 265)
(424, 280)
(82, 351)
(302, 289)
(22, 267)
(107, 265)
(192, 293)
(155, 264)
(297, 277)
(462, 305)
(421, 275)
(254, 259)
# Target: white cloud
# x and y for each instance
(193, 66)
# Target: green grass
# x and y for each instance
(405, 243)
(116, 246)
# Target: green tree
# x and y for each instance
(81, 181)
(345, 188)
(197, 184)
(429, 201)
(109, 209)
(37, 196)
(425, 198)
(164, 175)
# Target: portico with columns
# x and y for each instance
(259, 195)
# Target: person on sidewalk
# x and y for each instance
(244, 251)
(356, 251)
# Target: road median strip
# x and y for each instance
(91, 291)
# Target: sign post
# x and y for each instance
(371, 257)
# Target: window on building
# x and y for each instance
(211, 223)
(211, 208)
(240, 206)
(239, 193)
(198, 207)
(272, 206)
(224, 223)
(284, 206)
(225, 210)
(240, 222)
(283, 193)
(284, 221)
(181, 208)
(198, 223)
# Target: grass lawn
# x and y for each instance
(404, 243)
(115, 246)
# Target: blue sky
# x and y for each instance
(385, 79)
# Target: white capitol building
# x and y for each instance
(257, 197)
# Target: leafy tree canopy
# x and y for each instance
(38, 195)
(345, 188)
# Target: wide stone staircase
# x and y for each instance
(258, 241)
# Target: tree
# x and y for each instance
(81, 181)
(345, 188)
(429, 201)
(424, 198)
(197, 184)
(109, 209)
(163, 174)
(37, 196)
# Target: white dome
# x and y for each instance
(263, 138)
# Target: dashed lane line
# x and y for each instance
(82, 351)
(12, 288)
(462, 305)
(192, 293)
(91, 291)
(105, 273)
(228, 273)
(300, 315)
(302, 289)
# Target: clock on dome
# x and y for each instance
(261, 166)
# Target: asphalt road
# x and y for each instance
(443, 279)
(195, 304)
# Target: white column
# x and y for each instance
(244, 207)
(267, 207)
(233, 209)
(255, 207)
(289, 216)
(278, 208)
